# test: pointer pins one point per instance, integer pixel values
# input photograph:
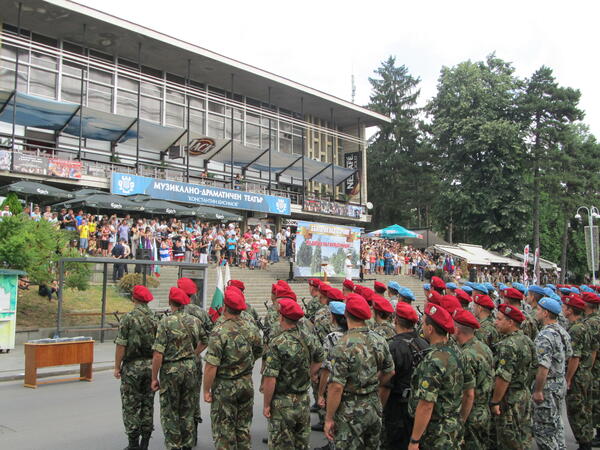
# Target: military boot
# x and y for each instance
(596, 441)
(134, 443)
(585, 446)
(145, 442)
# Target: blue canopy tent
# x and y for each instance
(393, 232)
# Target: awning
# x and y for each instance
(87, 192)
(493, 258)
(544, 263)
(165, 208)
(393, 232)
(210, 213)
(33, 189)
(462, 254)
(157, 206)
(102, 201)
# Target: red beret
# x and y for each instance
(238, 284)
(234, 298)
(358, 306)
(290, 309)
(440, 316)
(335, 294)
(434, 297)
(379, 287)
(187, 286)
(462, 295)
(324, 289)
(466, 318)
(284, 284)
(382, 304)
(513, 293)
(485, 301)
(512, 311)
(450, 303)
(178, 295)
(365, 292)
(348, 284)
(285, 292)
(142, 294)
(575, 301)
(314, 282)
(438, 283)
(279, 284)
(407, 312)
(590, 297)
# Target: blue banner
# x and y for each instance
(125, 184)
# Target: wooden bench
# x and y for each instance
(58, 354)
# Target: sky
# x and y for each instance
(323, 43)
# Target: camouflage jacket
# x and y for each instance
(137, 330)
(289, 358)
(441, 378)
(356, 360)
(178, 335)
(479, 361)
(323, 324)
(488, 333)
(328, 345)
(385, 330)
(233, 346)
(581, 343)
(530, 326)
(515, 363)
(553, 348)
(201, 314)
(312, 307)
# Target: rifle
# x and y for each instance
(419, 310)
(303, 304)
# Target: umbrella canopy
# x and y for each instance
(208, 212)
(163, 208)
(86, 192)
(393, 232)
(33, 189)
(102, 201)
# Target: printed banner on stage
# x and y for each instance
(353, 161)
(38, 165)
(336, 246)
(335, 208)
(125, 184)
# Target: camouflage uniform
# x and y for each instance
(515, 361)
(593, 323)
(136, 333)
(323, 325)
(356, 360)
(177, 337)
(480, 362)
(385, 330)
(207, 324)
(441, 379)
(289, 359)
(488, 333)
(311, 309)
(579, 401)
(233, 347)
(531, 325)
(553, 347)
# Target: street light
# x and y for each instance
(592, 213)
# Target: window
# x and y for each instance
(42, 82)
(150, 109)
(126, 103)
(253, 135)
(175, 115)
(197, 122)
(71, 89)
(100, 97)
(216, 126)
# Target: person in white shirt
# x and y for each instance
(6, 211)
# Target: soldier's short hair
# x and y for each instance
(235, 312)
(289, 321)
(464, 329)
(176, 305)
(551, 315)
(341, 321)
(384, 315)
(438, 330)
(353, 317)
(576, 311)
(404, 323)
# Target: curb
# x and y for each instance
(57, 373)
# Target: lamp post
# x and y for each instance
(592, 213)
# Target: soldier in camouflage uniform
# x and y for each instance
(553, 346)
(233, 348)
(592, 320)
(361, 363)
(313, 304)
(483, 309)
(479, 361)
(579, 374)
(179, 340)
(367, 294)
(438, 386)
(340, 327)
(133, 365)
(532, 325)
(272, 315)
(292, 359)
(511, 398)
(383, 312)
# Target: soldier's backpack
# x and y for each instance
(417, 351)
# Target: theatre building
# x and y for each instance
(88, 100)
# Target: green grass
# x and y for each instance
(34, 311)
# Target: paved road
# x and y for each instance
(80, 415)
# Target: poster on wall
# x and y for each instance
(353, 161)
(327, 248)
(64, 169)
(5, 157)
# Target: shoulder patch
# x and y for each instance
(425, 384)
(502, 362)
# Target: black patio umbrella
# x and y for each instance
(165, 208)
(210, 213)
(87, 192)
(34, 189)
(111, 202)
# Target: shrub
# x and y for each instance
(130, 280)
(13, 203)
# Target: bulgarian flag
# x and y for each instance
(216, 306)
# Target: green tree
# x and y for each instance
(13, 203)
(477, 133)
(316, 260)
(337, 261)
(400, 176)
(304, 255)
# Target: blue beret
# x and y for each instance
(548, 292)
(467, 289)
(338, 308)
(407, 293)
(469, 283)
(550, 304)
(502, 286)
(451, 285)
(427, 286)
(537, 290)
(575, 290)
(585, 288)
(490, 287)
(551, 286)
(520, 287)
(394, 285)
(566, 291)
(479, 287)
(555, 296)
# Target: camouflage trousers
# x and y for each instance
(512, 427)
(397, 424)
(596, 394)
(358, 422)
(231, 413)
(579, 406)
(548, 427)
(178, 402)
(442, 435)
(137, 399)
(476, 434)
(289, 425)
(197, 412)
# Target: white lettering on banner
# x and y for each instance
(116, 205)
(253, 198)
